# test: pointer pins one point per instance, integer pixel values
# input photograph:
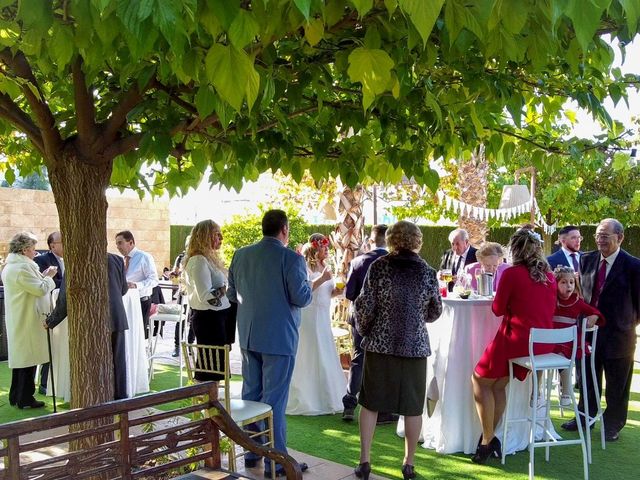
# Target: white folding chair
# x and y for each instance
(546, 363)
(215, 359)
(180, 316)
(589, 420)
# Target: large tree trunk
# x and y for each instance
(79, 191)
(472, 185)
(348, 236)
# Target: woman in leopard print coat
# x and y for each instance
(399, 296)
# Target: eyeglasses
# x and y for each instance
(602, 236)
(579, 237)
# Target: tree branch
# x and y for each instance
(18, 64)
(123, 145)
(85, 108)
(119, 114)
(12, 112)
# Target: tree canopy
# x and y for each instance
(151, 94)
(356, 88)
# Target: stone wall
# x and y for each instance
(35, 211)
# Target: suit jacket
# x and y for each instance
(47, 260)
(559, 258)
(619, 302)
(269, 283)
(449, 256)
(117, 288)
(358, 271)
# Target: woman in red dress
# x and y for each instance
(526, 298)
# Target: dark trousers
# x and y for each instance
(145, 305)
(177, 336)
(119, 365)
(210, 329)
(23, 386)
(350, 400)
(44, 375)
(618, 373)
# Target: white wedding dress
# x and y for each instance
(318, 382)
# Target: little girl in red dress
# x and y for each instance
(569, 310)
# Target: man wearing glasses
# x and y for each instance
(568, 255)
(611, 282)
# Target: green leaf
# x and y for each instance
(372, 68)
(632, 9)
(314, 31)
(431, 102)
(224, 10)
(586, 17)
(205, 101)
(232, 73)
(9, 175)
(477, 124)
(243, 29)
(252, 88)
(423, 15)
(304, 6)
(61, 46)
(391, 6)
(372, 38)
(507, 151)
(363, 6)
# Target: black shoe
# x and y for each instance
(251, 462)
(408, 471)
(572, 426)
(281, 473)
(363, 470)
(348, 414)
(497, 447)
(176, 352)
(611, 435)
(483, 452)
(33, 404)
(386, 418)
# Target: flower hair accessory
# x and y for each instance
(319, 243)
(535, 235)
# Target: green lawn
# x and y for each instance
(328, 437)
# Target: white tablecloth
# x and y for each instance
(458, 339)
(137, 362)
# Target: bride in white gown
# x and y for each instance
(318, 381)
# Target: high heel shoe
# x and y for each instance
(496, 446)
(483, 452)
(408, 471)
(363, 470)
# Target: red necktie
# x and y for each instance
(597, 287)
(574, 260)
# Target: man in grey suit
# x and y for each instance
(611, 283)
(117, 288)
(269, 284)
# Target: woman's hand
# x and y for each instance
(326, 275)
(591, 320)
(50, 271)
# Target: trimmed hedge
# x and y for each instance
(434, 239)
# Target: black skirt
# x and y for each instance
(393, 384)
(210, 327)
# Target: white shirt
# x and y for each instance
(201, 279)
(142, 271)
(568, 253)
(461, 259)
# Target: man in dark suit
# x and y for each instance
(611, 282)
(568, 255)
(53, 258)
(117, 288)
(355, 279)
(461, 253)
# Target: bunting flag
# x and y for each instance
(503, 214)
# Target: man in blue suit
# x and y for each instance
(568, 255)
(269, 284)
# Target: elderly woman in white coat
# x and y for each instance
(26, 301)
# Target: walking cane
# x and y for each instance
(53, 383)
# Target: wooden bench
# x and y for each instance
(156, 436)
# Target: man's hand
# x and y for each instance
(132, 285)
(50, 271)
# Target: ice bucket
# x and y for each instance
(485, 284)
